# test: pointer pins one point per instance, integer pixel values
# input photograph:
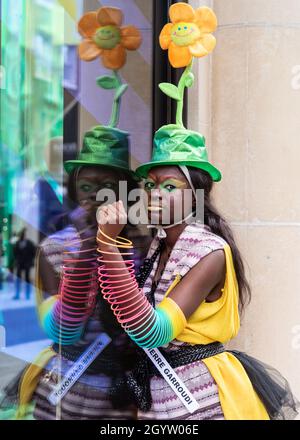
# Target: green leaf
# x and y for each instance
(107, 82)
(190, 79)
(170, 90)
(121, 90)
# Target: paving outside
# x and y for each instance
(21, 337)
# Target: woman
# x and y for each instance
(101, 392)
(70, 309)
(199, 268)
(186, 300)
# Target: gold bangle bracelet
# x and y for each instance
(125, 244)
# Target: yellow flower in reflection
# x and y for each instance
(104, 37)
(189, 33)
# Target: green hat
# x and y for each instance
(175, 145)
(107, 146)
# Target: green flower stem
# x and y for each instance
(181, 87)
(115, 114)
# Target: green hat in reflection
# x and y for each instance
(107, 146)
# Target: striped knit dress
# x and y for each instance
(88, 398)
(195, 242)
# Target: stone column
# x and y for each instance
(250, 113)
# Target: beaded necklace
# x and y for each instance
(145, 270)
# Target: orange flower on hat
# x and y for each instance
(104, 37)
(189, 33)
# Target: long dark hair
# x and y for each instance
(219, 226)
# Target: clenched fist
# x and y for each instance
(112, 219)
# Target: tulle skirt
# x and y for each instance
(272, 388)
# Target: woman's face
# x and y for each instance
(89, 181)
(168, 202)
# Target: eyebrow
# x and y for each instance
(166, 177)
(95, 178)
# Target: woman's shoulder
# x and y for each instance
(196, 238)
(199, 235)
(58, 238)
(196, 242)
(53, 245)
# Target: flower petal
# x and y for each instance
(88, 50)
(115, 58)
(208, 41)
(206, 19)
(131, 37)
(179, 56)
(181, 12)
(165, 36)
(197, 50)
(88, 24)
(107, 15)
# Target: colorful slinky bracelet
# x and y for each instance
(146, 326)
(63, 316)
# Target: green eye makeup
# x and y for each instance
(168, 185)
(172, 184)
(85, 187)
(88, 187)
(148, 185)
(109, 185)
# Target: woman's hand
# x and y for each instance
(81, 220)
(111, 219)
(87, 242)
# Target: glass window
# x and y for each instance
(49, 99)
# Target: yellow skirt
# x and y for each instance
(238, 398)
